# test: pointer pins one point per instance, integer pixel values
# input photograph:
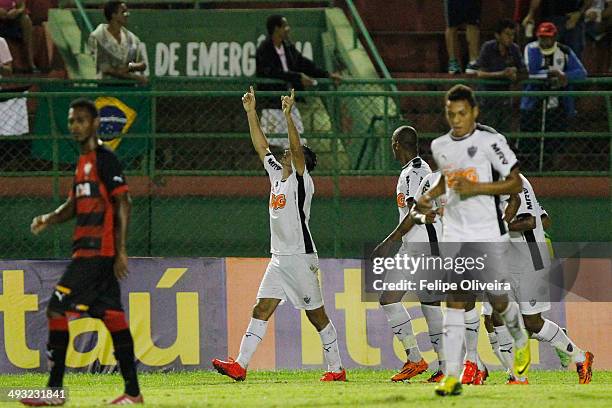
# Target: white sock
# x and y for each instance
(454, 337)
(435, 320)
(329, 339)
(401, 324)
(512, 319)
(472, 324)
(553, 334)
(251, 339)
(505, 344)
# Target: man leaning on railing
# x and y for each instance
(115, 49)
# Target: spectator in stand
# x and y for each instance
(458, 13)
(116, 49)
(566, 15)
(6, 59)
(500, 59)
(555, 64)
(15, 24)
(278, 58)
(599, 19)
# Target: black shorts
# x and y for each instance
(88, 286)
(458, 12)
(11, 29)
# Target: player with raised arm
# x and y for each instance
(292, 273)
(477, 167)
(101, 203)
(404, 144)
(530, 262)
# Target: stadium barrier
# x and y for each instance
(185, 311)
(188, 155)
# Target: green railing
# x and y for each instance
(188, 155)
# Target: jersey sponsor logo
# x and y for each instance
(277, 202)
(118, 179)
(471, 151)
(401, 200)
(469, 174)
(528, 202)
(87, 168)
(83, 190)
(306, 299)
(273, 164)
(426, 187)
(499, 153)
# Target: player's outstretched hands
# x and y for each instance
(121, 265)
(248, 100)
(39, 224)
(287, 102)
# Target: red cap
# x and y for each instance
(546, 29)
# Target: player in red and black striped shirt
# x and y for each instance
(100, 202)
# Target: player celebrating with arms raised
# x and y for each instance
(293, 270)
(477, 166)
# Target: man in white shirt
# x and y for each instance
(477, 167)
(293, 270)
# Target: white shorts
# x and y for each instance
(532, 290)
(294, 278)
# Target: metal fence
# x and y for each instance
(200, 190)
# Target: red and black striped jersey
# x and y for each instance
(98, 178)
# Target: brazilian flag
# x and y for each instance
(119, 116)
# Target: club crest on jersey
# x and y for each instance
(471, 151)
(87, 168)
(277, 202)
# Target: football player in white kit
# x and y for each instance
(292, 273)
(530, 263)
(477, 167)
(415, 170)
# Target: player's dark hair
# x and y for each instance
(275, 20)
(111, 8)
(310, 158)
(86, 104)
(503, 24)
(407, 138)
(461, 92)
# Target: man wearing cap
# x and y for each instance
(555, 64)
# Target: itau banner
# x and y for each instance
(176, 311)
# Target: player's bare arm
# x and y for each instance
(258, 138)
(425, 202)
(514, 202)
(511, 185)
(546, 221)
(297, 154)
(524, 222)
(400, 230)
(62, 214)
(121, 206)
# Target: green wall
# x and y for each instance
(197, 226)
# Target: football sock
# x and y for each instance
(504, 347)
(329, 339)
(512, 319)
(123, 343)
(472, 324)
(401, 324)
(56, 349)
(251, 339)
(435, 320)
(454, 337)
(553, 334)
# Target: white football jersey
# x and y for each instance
(481, 156)
(289, 209)
(408, 183)
(537, 249)
(434, 231)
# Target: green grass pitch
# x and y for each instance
(302, 388)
